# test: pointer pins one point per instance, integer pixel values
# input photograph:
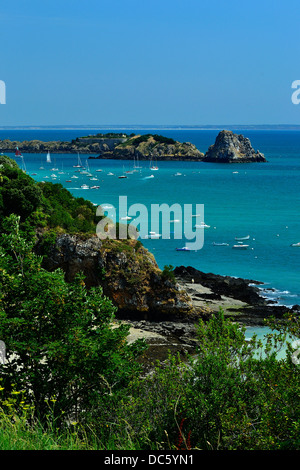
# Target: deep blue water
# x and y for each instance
(259, 199)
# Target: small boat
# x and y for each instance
(152, 235)
(109, 174)
(295, 244)
(184, 248)
(98, 170)
(18, 153)
(126, 218)
(240, 247)
(74, 176)
(242, 238)
(202, 225)
(122, 176)
(95, 187)
(84, 186)
(136, 164)
(68, 181)
(153, 167)
(79, 164)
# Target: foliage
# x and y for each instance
(44, 205)
(59, 336)
(158, 139)
(168, 273)
(225, 397)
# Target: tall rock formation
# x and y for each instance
(232, 148)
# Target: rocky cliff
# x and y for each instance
(121, 147)
(232, 148)
(127, 272)
(154, 147)
(82, 145)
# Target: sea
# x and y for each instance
(259, 200)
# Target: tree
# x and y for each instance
(65, 350)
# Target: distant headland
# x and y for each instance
(228, 148)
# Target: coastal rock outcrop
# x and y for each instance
(127, 272)
(155, 147)
(112, 146)
(232, 148)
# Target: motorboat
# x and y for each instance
(202, 225)
(295, 244)
(152, 235)
(242, 238)
(184, 248)
(240, 247)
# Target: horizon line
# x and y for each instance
(151, 126)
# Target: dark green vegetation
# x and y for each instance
(108, 135)
(158, 139)
(74, 382)
(42, 205)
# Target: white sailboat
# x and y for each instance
(153, 167)
(48, 157)
(136, 163)
(79, 164)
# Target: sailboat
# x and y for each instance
(153, 167)
(62, 170)
(122, 176)
(136, 163)
(41, 167)
(79, 164)
(18, 153)
(48, 157)
(54, 169)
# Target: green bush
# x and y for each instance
(65, 349)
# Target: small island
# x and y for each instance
(228, 148)
(232, 148)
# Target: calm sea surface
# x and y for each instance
(259, 199)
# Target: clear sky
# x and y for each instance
(167, 62)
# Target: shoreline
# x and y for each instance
(240, 299)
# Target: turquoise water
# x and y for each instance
(259, 199)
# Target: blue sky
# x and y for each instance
(167, 62)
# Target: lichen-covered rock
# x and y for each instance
(232, 148)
